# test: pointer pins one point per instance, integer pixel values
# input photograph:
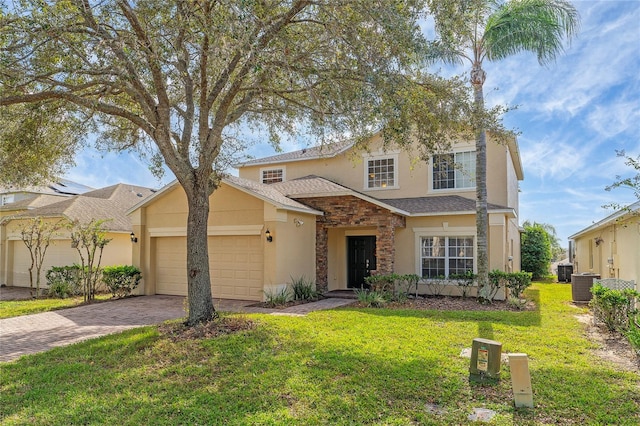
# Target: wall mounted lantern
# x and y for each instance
(134, 239)
(298, 222)
(268, 235)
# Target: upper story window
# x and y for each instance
(272, 175)
(454, 171)
(381, 173)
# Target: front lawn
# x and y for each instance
(346, 366)
(14, 308)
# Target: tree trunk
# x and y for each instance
(198, 277)
(477, 80)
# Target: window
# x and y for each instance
(272, 175)
(454, 171)
(444, 256)
(381, 173)
(6, 199)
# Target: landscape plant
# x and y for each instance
(278, 297)
(89, 239)
(121, 280)
(303, 289)
(535, 249)
(36, 233)
(615, 308)
(464, 282)
(64, 281)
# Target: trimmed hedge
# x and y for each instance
(121, 280)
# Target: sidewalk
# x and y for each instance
(29, 334)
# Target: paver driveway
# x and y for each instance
(29, 334)
(39, 332)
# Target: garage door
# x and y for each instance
(235, 262)
(59, 253)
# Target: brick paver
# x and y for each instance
(29, 334)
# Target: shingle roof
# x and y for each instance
(309, 186)
(438, 204)
(61, 186)
(268, 193)
(322, 151)
(108, 203)
(32, 203)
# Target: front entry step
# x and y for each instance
(341, 294)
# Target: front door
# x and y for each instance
(361, 260)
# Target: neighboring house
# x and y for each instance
(110, 204)
(23, 198)
(610, 247)
(335, 215)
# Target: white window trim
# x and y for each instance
(444, 231)
(381, 156)
(449, 190)
(265, 169)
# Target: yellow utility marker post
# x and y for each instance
(521, 380)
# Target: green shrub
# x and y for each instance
(517, 282)
(303, 289)
(464, 281)
(536, 250)
(64, 281)
(615, 308)
(371, 298)
(384, 283)
(634, 338)
(497, 280)
(275, 298)
(121, 280)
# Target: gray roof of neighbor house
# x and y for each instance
(32, 202)
(110, 204)
(635, 207)
(60, 187)
(312, 153)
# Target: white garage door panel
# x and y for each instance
(235, 263)
(59, 253)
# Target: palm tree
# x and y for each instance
(475, 30)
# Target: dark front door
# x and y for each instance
(361, 260)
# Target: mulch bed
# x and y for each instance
(444, 303)
(218, 327)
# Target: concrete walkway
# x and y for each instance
(29, 334)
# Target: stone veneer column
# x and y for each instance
(322, 254)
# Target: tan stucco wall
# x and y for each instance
(16, 260)
(620, 242)
(414, 176)
(291, 254)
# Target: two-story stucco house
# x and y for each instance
(335, 215)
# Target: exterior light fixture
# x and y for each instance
(268, 235)
(134, 239)
(298, 222)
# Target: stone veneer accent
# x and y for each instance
(350, 211)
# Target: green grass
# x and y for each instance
(14, 308)
(346, 366)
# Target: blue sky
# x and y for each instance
(572, 115)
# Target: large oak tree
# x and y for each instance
(187, 78)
